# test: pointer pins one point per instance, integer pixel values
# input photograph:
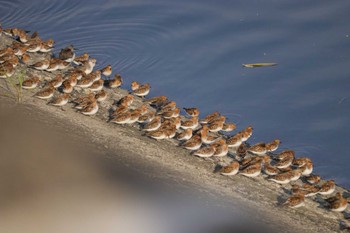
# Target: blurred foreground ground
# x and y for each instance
(55, 178)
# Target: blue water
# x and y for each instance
(192, 51)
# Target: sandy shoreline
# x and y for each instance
(128, 143)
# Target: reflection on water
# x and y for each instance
(192, 51)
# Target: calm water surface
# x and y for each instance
(192, 52)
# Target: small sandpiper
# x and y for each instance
(156, 101)
(313, 179)
(41, 65)
(122, 118)
(88, 66)
(6, 70)
(171, 114)
(154, 124)
(57, 81)
(272, 146)
(107, 71)
(116, 81)
(126, 100)
(209, 117)
(31, 83)
(307, 168)
(91, 109)
(135, 85)
(252, 170)
(185, 135)
(193, 144)
(295, 201)
(327, 188)
(282, 178)
(284, 163)
(191, 123)
(67, 54)
(285, 154)
(97, 85)
(235, 140)
(85, 82)
(143, 90)
(60, 100)
(67, 87)
(83, 58)
(46, 93)
(228, 127)
(338, 203)
(158, 134)
(206, 137)
(230, 170)
(247, 133)
(101, 96)
(205, 152)
(258, 149)
(193, 112)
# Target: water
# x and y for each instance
(192, 52)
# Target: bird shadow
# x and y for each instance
(280, 200)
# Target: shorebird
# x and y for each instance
(171, 114)
(252, 170)
(154, 124)
(295, 201)
(57, 81)
(247, 133)
(191, 123)
(41, 65)
(313, 179)
(90, 109)
(185, 135)
(338, 203)
(46, 93)
(85, 82)
(307, 168)
(285, 154)
(101, 96)
(143, 90)
(31, 83)
(206, 137)
(67, 87)
(228, 127)
(230, 170)
(135, 85)
(88, 66)
(67, 54)
(97, 85)
(193, 144)
(272, 146)
(282, 178)
(60, 100)
(235, 140)
(126, 100)
(205, 152)
(258, 149)
(193, 112)
(209, 117)
(116, 81)
(327, 188)
(83, 58)
(107, 71)
(156, 101)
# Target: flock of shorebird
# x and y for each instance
(160, 118)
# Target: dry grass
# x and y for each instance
(13, 87)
